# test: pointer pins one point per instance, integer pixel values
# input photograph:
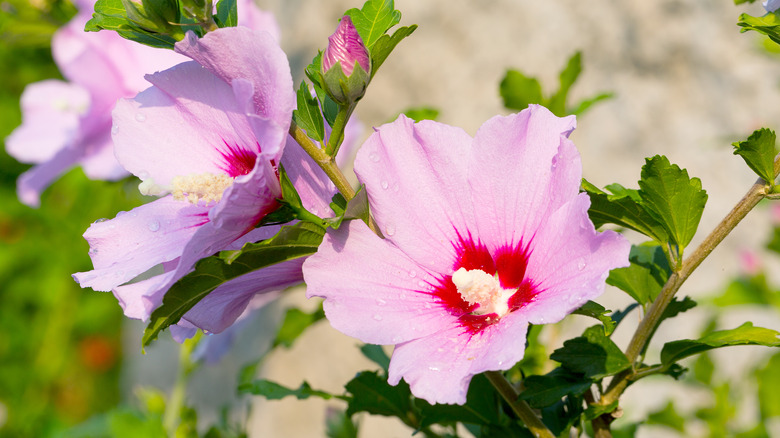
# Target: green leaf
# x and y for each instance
(569, 75)
(295, 323)
(596, 310)
(562, 415)
(768, 25)
(759, 152)
(739, 2)
(585, 104)
(745, 334)
(677, 307)
(227, 13)
(374, 19)
(672, 198)
(421, 113)
(646, 275)
(376, 354)
(291, 242)
(545, 390)
(274, 391)
(339, 425)
(308, 115)
(622, 208)
(768, 382)
(518, 90)
(748, 290)
(593, 355)
(372, 394)
(482, 407)
(597, 410)
(385, 45)
(668, 417)
(703, 369)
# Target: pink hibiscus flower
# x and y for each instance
(210, 134)
(69, 123)
(483, 236)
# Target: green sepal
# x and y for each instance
(342, 89)
(768, 25)
(356, 208)
(112, 15)
(759, 152)
(596, 410)
(596, 310)
(308, 115)
(592, 355)
(291, 242)
(746, 334)
(672, 198)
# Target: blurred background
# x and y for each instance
(686, 84)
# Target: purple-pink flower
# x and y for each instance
(209, 135)
(346, 48)
(482, 236)
(68, 123)
(65, 124)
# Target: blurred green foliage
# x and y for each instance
(59, 344)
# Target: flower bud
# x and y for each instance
(771, 5)
(154, 15)
(346, 65)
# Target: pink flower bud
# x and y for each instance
(346, 47)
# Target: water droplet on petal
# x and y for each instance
(581, 264)
(402, 296)
(390, 230)
(421, 283)
(412, 273)
(154, 226)
(396, 187)
(140, 117)
(377, 317)
(92, 251)
(373, 157)
(381, 302)
(114, 129)
(102, 219)
(434, 368)
(385, 185)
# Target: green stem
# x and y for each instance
(328, 165)
(175, 403)
(520, 407)
(647, 327)
(337, 133)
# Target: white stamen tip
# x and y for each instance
(478, 287)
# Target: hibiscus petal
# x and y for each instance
(135, 241)
(381, 299)
(569, 262)
(50, 111)
(313, 186)
(415, 175)
(219, 309)
(32, 183)
(239, 52)
(138, 300)
(185, 124)
(511, 173)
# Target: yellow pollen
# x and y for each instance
(478, 287)
(204, 187)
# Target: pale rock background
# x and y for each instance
(687, 84)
